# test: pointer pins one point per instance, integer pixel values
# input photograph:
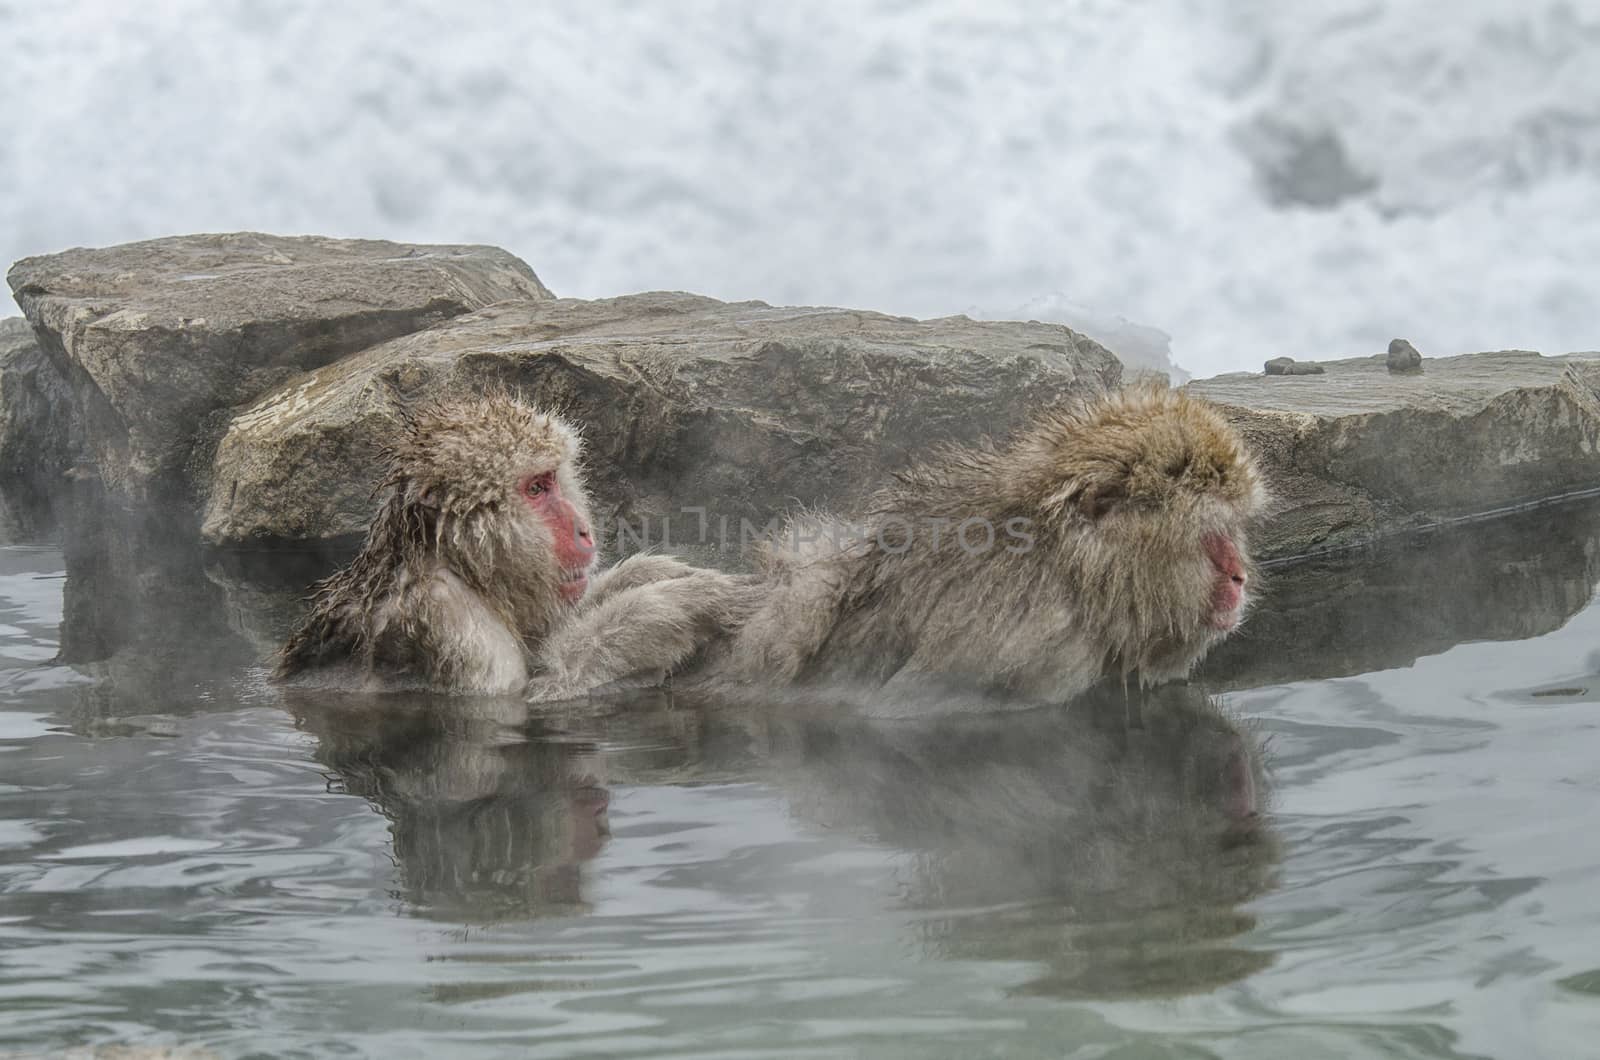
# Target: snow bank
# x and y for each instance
(1253, 178)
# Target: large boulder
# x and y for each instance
(155, 338)
(1359, 452)
(39, 433)
(743, 409)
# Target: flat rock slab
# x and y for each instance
(743, 409)
(1360, 451)
(155, 337)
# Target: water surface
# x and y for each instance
(190, 857)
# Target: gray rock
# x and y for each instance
(1403, 357)
(1142, 348)
(39, 432)
(1365, 453)
(1290, 366)
(155, 337)
(741, 408)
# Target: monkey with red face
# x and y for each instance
(1107, 539)
(481, 555)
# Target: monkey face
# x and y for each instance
(1162, 585)
(1152, 490)
(571, 539)
(502, 489)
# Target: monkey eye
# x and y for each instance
(537, 485)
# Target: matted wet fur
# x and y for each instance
(646, 619)
(1118, 547)
(459, 585)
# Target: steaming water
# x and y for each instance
(187, 858)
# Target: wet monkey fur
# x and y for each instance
(1105, 539)
(478, 571)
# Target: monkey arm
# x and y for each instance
(644, 632)
(637, 570)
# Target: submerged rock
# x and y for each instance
(155, 337)
(1403, 357)
(740, 409)
(1365, 452)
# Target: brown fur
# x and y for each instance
(1118, 495)
(457, 586)
(451, 555)
(644, 620)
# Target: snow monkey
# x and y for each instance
(481, 552)
(1105, 539)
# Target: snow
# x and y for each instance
(1094, 160)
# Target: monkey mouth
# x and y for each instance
(1225, 621)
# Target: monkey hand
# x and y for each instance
(640, 569)
(643, 633)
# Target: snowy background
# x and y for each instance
(1252, 177)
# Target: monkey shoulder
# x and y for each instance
(454, 637)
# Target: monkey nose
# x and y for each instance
(1238, 579)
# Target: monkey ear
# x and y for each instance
(1103, 490)
(427, 497)
(1097, 500)
(1090, 500)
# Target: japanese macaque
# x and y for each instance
(1105, 539)
(479, 557)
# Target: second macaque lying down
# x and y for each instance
(1108, 539)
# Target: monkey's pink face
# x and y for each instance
(571, 539)
(1227, 586)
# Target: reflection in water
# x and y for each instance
(492, 817)
(140, 620)
(1112, 841)
(1382, 607)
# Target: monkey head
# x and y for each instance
(1145, 496)
(495, 486)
